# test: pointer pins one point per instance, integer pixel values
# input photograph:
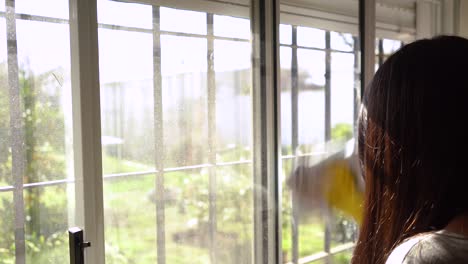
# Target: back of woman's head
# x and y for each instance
(413, 145)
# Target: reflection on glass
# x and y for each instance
(187, 225)
(183, 21)
(184, 75)
(285, 32)
(233, 100)
(126, 75)
(125, 14)
(311, 81)
(311, 37)
(130, 219)
(231, 27)
(48, 8)
(341, 41)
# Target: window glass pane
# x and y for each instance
(325, 111)
(128, 138)
(48, 8)
(183, 21)
(184, 100)
(7, 227)
(47, 222)
(44, 80)
(311, 235)
(231, 27)
(311, 82)
(2, 5)
(125, 14)
(286, 100)
(3, 43)
(50, 54)
(187, 232)
(340, 41)
(234, 213)
(233, 100)
(5, 147)
(126, 73)
(311, 37)
(44, 77)
(169, 88)
(342, 95)
(390, 46)
(285, 32)
(343, 258)
(377, 46)
(130, 218)
(286, 212)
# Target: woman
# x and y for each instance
(413, 148)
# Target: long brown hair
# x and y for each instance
(413, 145)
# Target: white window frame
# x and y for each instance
(87, 126)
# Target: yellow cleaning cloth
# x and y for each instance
(341, 190)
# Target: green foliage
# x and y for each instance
(342, 131)
(43, 127)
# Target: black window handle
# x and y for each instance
(77, 245)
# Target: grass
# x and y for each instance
(130, 219)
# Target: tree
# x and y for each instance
(43, 124)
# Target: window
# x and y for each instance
(36, 160)
(186, 176)
(176, 111)
(318, 76)
(384, 48)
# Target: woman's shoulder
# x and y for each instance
(431, 248)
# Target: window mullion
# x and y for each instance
(367, 41)
(87, 125)
(211, 135)
(266, 131)
(357, 79)
(327, 233)
(381, 52)
(327, 87)
(159, 139)
(17, 134)
(294, 140)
